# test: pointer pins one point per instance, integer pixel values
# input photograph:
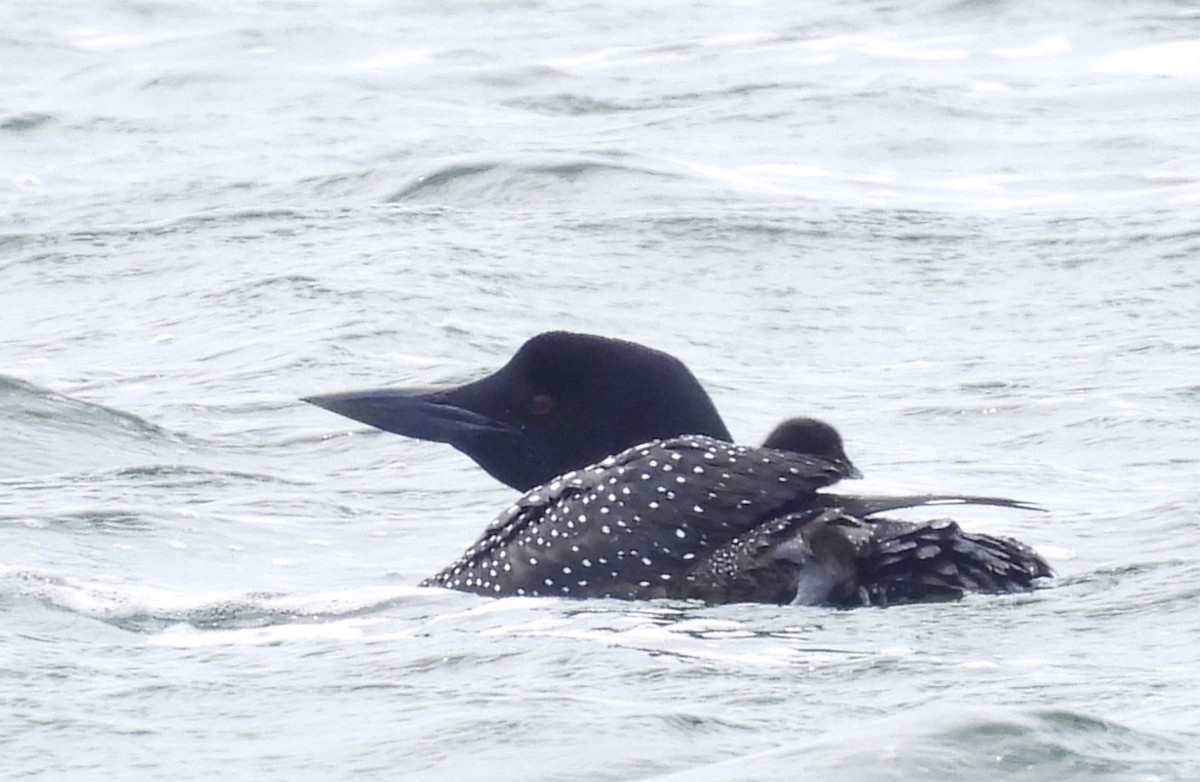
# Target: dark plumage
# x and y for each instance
(690, 516)
(694, 517)
(635, 524)
(562, 402)
(808, 435)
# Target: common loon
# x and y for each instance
(634, 491)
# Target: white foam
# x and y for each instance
(1172, 58)
(109, 597)
(401, 58)
(989, 87)
(185, 636)
(614, 57)
(1050, 46)
(94, 39)
(982, 182)
(930, 51)
(1056, 553)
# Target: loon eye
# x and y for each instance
(541, 404)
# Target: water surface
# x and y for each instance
(965, 233)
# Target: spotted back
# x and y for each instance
(632, 525)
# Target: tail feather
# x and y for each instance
(863, 506)
(827, 557)
(938, 560)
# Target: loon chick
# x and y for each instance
(746, 532)
(808, 435)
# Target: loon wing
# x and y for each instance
(808, 558)
(938, 559)
(823, 556)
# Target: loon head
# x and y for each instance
(812, 437)
(562, 402)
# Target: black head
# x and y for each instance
(811, 437)
(564, 401)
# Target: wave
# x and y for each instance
(25, 401)
(470, 179)
(968, 743)
(49, 432)
(152, 611)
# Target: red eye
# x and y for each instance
(541, 404)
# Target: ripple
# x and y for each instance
(148, 610)
(25, 401)
(466, 180)
(937, 743)
(23, 122)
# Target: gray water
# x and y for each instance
(964, 232)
